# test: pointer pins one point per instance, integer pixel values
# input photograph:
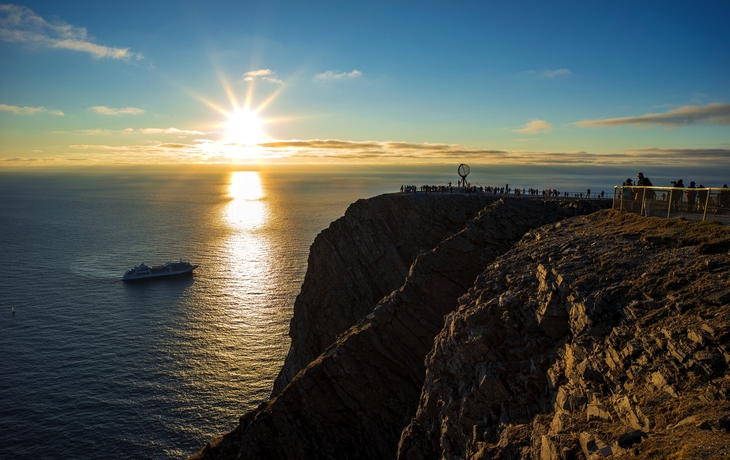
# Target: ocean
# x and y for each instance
(93, 367)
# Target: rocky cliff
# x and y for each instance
(581, 337)
(601, 336)
(363, 257)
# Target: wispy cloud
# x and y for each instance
(536, 126)
(556, 73)
(330, 75)
(547, 73)
(335, 151)
(28, 110)
(711, 156)
(251, 74)
(265, 74)
(104, 110)
(19, 24)
(180, 132)
(162, 131)
(713, 114)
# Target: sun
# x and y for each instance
(244, 128)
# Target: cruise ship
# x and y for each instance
(143, 272)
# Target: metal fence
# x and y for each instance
(697, 204)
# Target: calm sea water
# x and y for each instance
(93, 367)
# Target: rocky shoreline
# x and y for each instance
(474, 327)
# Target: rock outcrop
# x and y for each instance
(602, 336)
(583, 338)
(361, 258)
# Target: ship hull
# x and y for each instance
(151, 273)
(162, 275)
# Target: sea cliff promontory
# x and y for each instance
(475, 327)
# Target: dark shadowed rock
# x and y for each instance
(354, 399)
(361, 258)
(596, 336)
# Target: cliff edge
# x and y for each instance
(567, 345)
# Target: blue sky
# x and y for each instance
(368, 82)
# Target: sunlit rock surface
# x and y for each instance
(602, 336)
(593, 336)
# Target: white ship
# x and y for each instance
(143, 272)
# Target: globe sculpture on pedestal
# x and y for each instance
(464, 171)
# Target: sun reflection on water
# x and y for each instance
(249, 289)
(237, 335)
(247, 210)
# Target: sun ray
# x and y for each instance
(249, 92)
(229, 92)
(269, 100)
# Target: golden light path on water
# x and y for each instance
(236, 331)
(252, 282)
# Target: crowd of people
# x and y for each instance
(692, 198)
(637, 196)
(498, 190)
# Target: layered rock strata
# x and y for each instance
(355, 398)
(602, 336)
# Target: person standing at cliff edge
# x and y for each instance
(645, 196)
(691, 195)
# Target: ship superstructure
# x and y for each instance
(143, 272)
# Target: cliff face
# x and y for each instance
(601, 336)
(589, 336)
(353, 400)
(361, 258)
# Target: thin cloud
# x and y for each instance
(710, 155)
(19, 24)
(339, 150)
(104, 110)
(265, 74)
(142, 131)
(330, 75)
(23, 160)
(547, 73)
(257, 73)
(536, 126)
(556, 73)
(328, 144)
(711, 114)
(335, 151)
(28, 110)
(163, 131)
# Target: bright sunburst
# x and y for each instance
(244, 128)
(242, 132)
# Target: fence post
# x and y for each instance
(621, 200)
(707, 201)
(671, 202)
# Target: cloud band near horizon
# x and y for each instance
(716, 114)
(334, 151)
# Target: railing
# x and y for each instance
(690, 203)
